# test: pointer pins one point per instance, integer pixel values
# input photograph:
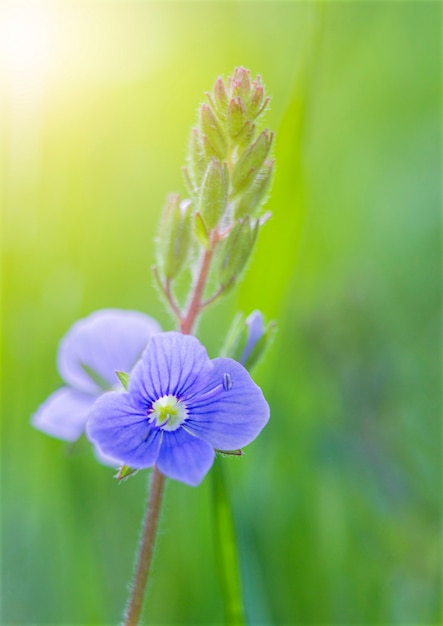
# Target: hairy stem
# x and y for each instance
(195, 303)
(146, 550)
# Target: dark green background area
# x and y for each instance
(337, 503)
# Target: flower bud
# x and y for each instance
(196, 158)
(241, 83)
(220, 98)
(251, 200)
(174, 239)
(257, 103)
(247, 339)
(248, 165)
(201, 232)
(236, 116)
(236, 251)
(211, 128)
(214, 193)
(246, 134)
(259, 338)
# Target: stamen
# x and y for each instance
(227, 381)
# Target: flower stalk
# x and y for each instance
(144, 560)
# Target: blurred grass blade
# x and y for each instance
(227, 562)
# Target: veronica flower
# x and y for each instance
(88, 357)
(179, 406)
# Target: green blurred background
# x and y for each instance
(337, 503)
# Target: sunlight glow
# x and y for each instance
(29, 44)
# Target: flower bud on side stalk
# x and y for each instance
(174, 239)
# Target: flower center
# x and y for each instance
(168, 413)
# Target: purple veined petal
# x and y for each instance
(184, 457)
(229, 409)
(105, 341)
(171, 364)
(64, 414)
(109, 461)
(256, 328)
(122, 432)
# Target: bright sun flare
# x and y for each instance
(28, 43)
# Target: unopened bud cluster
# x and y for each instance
(228, 175)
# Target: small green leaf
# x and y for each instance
(125, 472)
(123, 378)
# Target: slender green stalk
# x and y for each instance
(150, 524)
(226, 551)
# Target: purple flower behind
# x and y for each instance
(179, 406)
(88, 357)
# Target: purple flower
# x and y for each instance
(88, 357)
(179, 406)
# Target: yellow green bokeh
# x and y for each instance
(337, 503)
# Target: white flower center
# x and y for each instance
(168, 413)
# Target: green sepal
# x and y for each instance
(261, 345)
(213, 132)
(125, 472)
(253, 198)
(214, 193)
(237, 250)
(201, 232)
(246, 135)
(225, 453)
(175, 237)
(196, 158)
(236, 116)
(220, 98)
(236, 338)
(251, 161)
(123, 378)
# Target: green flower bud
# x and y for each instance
(236, 116)
(220, 98)
(257, 103)
(174, 241)
(214, 193)
(250, 162)
(201, 232)
(211, 128)
(236, 250)
(241, 83)
(196, 159)
(208, 152)
(253, 198)
(246, 135)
